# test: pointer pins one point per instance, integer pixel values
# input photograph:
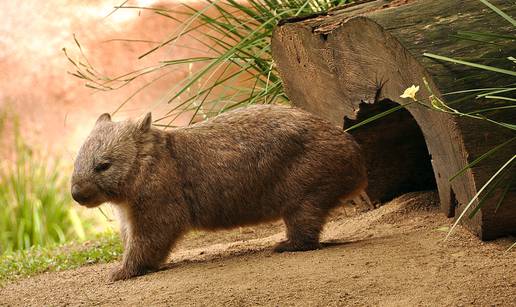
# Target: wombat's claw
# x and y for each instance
(287, 246)
(120, 274)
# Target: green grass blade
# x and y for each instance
(499, 12)
(475, 197)
(377, 116)
(482, 157)
(488, 193)
(501, 98)
(504, 193)
(480, 66)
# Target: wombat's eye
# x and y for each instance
(102, 166)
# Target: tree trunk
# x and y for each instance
(356, 61)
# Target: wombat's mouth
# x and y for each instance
(90, 204)
(87, 195)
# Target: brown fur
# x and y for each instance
(244, 167)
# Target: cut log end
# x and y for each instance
(332, 65)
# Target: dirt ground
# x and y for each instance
(391, 256)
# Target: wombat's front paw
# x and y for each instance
(120, 273)
(288, 246)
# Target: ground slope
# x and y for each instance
(392, 256)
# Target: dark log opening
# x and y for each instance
(453, 204)
(395, 149)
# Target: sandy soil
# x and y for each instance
(391, 256)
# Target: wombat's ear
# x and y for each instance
(103, 118)
(145, 123)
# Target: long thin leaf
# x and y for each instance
(377, 116)
(482, 157)
(499, 12)
(485, 67)
(475, 197)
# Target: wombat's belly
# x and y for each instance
(226, 216)
(229, 223)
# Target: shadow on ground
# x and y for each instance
(391, 256)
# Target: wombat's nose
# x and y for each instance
(79, 195)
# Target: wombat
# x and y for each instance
(247, 166)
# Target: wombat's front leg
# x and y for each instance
(144, 253)
(124, 235)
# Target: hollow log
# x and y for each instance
(355, 61)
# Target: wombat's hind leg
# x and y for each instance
(304, 225)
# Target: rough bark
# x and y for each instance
(353, 62)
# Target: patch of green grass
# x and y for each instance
(36, 208)
(36, 260)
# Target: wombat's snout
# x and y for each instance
(83, 193)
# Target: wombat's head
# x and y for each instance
(106, 160)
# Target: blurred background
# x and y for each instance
(55, 109)
(45, 112)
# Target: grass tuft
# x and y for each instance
(36, 208)
(36, 260)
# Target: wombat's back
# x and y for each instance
(254, 164)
